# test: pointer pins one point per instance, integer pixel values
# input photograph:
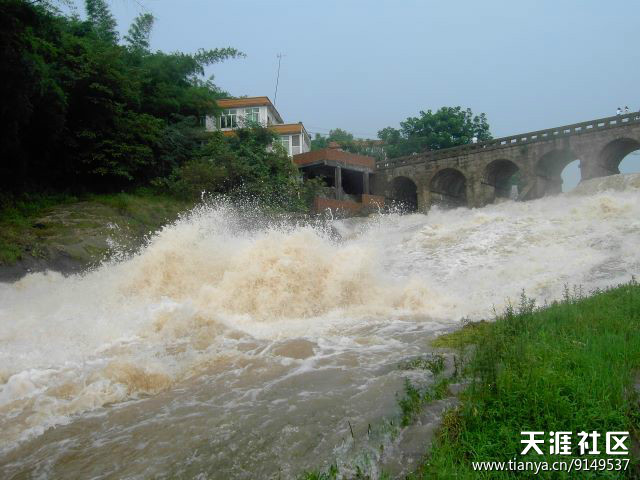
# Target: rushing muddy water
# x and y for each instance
(235, 348)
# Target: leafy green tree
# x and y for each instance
(249, 163)
(32, 101)
(139, 34)
(447, 127)
(338, 135)
(100, 17)
(349, 143)
(80, 111)
(171, 83)
(318, 142)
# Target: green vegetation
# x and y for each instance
(447, 127)
(48, 226)
(415, 398)
(82, 111)
(242, 165)
(464, 337)
(18, 215)
(571, 366)
(433, 363)
(349, 143)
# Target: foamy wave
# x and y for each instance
(618, 183)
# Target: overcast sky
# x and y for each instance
(365, 65)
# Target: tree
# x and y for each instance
(448, 127)
(102, 20)
(32, 102)
(140, 32)
(249, 163)
(338, 135)
(349, 143)
(80, 111)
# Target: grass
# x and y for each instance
(570, 366)
(464, 337)
(415, 398)
(17, 215)
(144, 208)
(39, 225)
(433, 363)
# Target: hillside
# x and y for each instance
(68, 234)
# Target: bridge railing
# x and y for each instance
(503, 142)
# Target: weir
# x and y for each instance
(477, 174)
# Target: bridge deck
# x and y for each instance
(505, 142)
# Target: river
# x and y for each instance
(237, 347)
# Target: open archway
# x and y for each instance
(448, 187)
(549, 171)
(618, 156)
(404, 192)
(504, 177)
(630, 163)
(570, 176)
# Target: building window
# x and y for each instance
(284, 140)
(228, 119)
(295, 145)
(252, 114)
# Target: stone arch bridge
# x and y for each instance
(477, 174)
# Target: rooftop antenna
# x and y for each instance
(275, 96)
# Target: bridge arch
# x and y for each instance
(448, 187)
(548, 170)
(404, 191)
(500, 176)
(614, 152)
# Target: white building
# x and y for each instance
(238, 112)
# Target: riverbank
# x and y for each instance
(66, 233)
(571, 366)
(567, 367)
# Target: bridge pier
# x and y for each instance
(424, 197)
(476, 192)
(593, 166)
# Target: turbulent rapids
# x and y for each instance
(236, 348)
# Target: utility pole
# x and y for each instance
(275, 96)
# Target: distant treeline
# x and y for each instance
(81, 109)
(445, 128)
